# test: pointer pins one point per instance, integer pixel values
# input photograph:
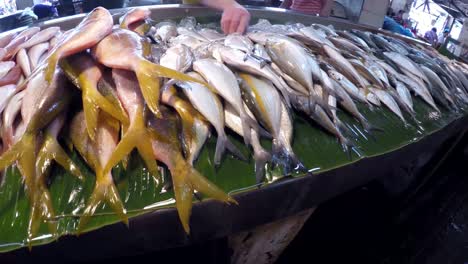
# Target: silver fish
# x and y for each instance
(209, 105)
(225, 83)
(178, 57)
(261, 155)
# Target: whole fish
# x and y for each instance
(225, 84)
(91, 30)
(185, 178)
(209, 105)
(97, 152)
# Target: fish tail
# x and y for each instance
(149, 84)
(94, 99)
(261, 157)
(137, 136)
(224, 143)
(41, 210)
(185, 180)
(282, 156)
(148, 74)
(104, 191)
(50, 68)
(51, 150)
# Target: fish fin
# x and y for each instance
(92, 102)
(41, 210)
(23, 151)
(281, 156)
(222, 144)
(135, 138)
(148, 74)
(261, 159)
(51, 150)
(104, 192)
(51, 66)
(185, 180)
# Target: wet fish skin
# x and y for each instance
(225, 83)
(209, 105)
(35, 53)
(96, 153)
(132, 49)
(195, 130)
(5, 67)
(91, 30)
(23, 61)
(235, 58)
(185, 178)
(261, 155)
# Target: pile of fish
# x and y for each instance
(164, 88)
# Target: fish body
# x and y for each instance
(225, 83)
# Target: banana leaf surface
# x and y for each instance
(318, 150)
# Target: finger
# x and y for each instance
(242, 24)
(234, 24)
(224, 24)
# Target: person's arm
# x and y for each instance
(235, 17)
(286, 4)
(327, 6)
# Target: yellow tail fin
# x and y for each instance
(51, 150)
(148, 74)
(41, 209)
(185, 180)
(50, 68)
(137, 136)
(104, 192)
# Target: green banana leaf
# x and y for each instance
(318, 150)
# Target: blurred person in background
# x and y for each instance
(443, 37)
(310, 7)
(431, 36)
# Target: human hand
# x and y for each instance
(235, 19)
